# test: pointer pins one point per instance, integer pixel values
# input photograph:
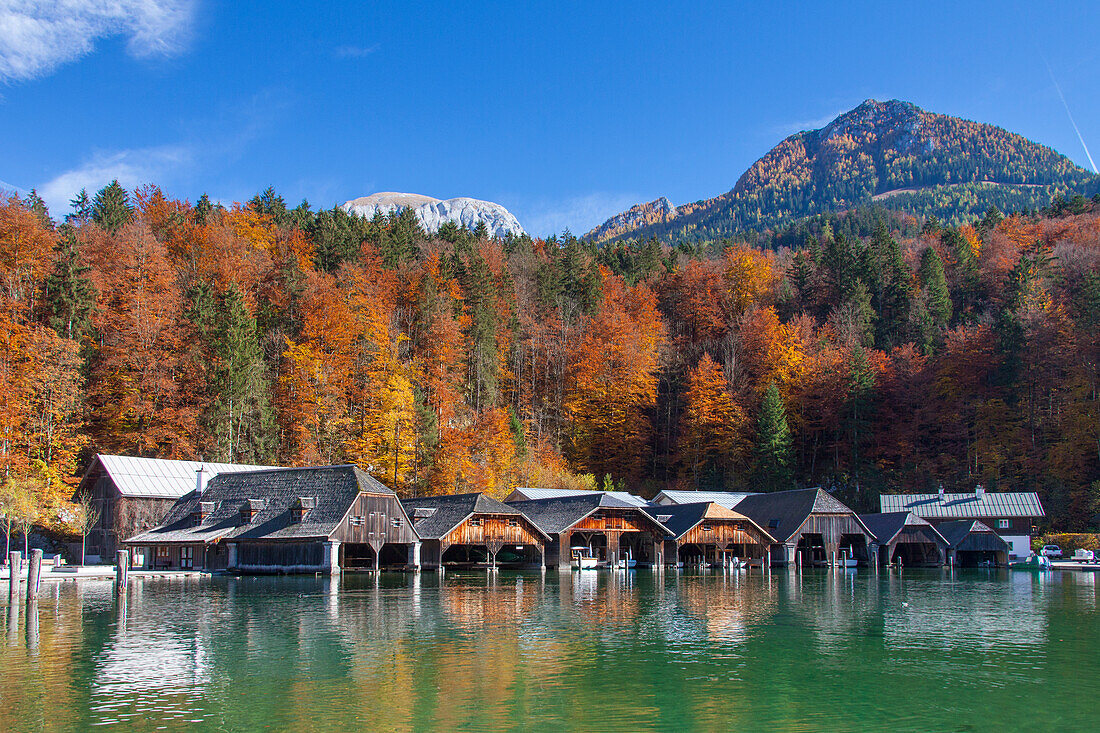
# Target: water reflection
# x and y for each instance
(627, 650)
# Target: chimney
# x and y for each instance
(979, 491)
(201, 477)
(941, 492)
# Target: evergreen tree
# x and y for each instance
(203, 209)
(860, 400)
(33, 202)
(772, 457)
(69, 295)
(111, 207)
(934, 283)
(896, 292)
(82, 209)
(271, 204)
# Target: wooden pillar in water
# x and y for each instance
(13, 575)
(122, 569)
(34, 572)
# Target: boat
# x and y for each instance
(581, 558)
(1035, 563)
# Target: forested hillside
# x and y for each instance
(893, 153)
(883, 353)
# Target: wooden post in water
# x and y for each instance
(13, 575)
(34, 572)
(122, 568)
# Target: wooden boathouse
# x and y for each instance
(286, 520)
(906, 537)
(972, 543)
(710, 534)
(135, 494)
(611, 529)
(473, 529)
(810, 526)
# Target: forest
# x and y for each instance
(879, 353)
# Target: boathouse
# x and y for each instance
(610, 528)
(728, 499)
(710, 534)
(285, 520)
(472, 529)
(530, 494)
(971, 543)
(1012, 515)
(135, 494)
(906, 537)
(810, 526)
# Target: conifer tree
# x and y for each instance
(111, 207)
(203, 208)
(937, 296)
(772, 458)
(82, 209)
(69, 294)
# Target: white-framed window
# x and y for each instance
(1002, 524)
(187, 557)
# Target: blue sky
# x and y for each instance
(565, 113)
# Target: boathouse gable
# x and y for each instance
(972, 543)
(906, 537)
(709, 533)
(474, 529)
(809, 525)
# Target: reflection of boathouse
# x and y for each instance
(905, 536)
(471, 529)
(971, 543)
(283, 520)
(810, 525)
(710, 534)
(611, 528)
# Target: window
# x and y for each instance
(773, 524)
(513, 522)
(708, 528)
(423, 512)
(187, 558)
(662, 518)
(475, 522)
(356, 521)
(1002, 524)
(162, 551)
(397, 522)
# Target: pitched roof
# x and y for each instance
(157, 478)
(333, 489)
(443, 513)
(728, 499)
(683, 517)
(530, 494)
(886, 526)
(957, 531)
(557, 514)
(988, 504)
(781, 513)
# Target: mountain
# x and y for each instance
(433, 213)
(892, 153)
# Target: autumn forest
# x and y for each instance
(901, 356)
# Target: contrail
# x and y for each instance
(1070, 115)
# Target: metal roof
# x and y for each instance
(531, 494)
(988, 504)
(728, 499)
(156, 478)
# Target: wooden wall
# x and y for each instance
(375, 520)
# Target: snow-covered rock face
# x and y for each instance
(432, 213)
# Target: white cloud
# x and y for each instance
(37, 36)
(132, 168)
(355, 52)
(578, 214)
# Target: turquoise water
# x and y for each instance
(820, 651)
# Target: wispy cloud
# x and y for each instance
(7, 188)
(37, 36)
(131, 168)
(578, 214)
(790, 128)
(355, 52)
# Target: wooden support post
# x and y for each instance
(34, 572)
(122, 569)
(13, 575)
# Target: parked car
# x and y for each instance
(1084, 556)
(1051, 551)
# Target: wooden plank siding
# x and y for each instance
(612, 524)
(719, 534)
(832, 528)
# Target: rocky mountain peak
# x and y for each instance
(433, 213)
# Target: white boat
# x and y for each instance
(581, 558)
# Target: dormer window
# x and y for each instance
(422, 512)
(202, 511)
(303, 506)
(773, 524)
(662, 518)
(251, 508)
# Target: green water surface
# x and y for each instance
(818, 651)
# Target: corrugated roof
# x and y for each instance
(450, 511)
(156, 478)
(728, 499)
(989, 504)
(333, 489)
(531, 494)
(557, 514)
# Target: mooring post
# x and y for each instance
(122, 568)
(34, 572)
(13, 574)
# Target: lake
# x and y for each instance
(823, 650)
